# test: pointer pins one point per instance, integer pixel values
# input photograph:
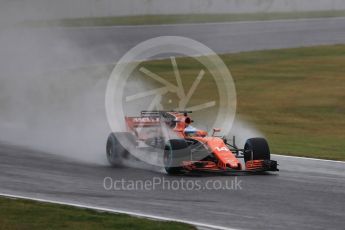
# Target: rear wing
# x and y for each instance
(159, 113)
(150, 113)
(153, 118)
(135, 122)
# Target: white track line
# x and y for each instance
(309, 158)
(136, 214)
(210, 23)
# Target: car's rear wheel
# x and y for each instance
(256, 149)
(118, 145)
(175, 152)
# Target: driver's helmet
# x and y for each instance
(190, 131)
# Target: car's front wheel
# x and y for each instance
(256, 149)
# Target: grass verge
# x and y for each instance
(24, 214)
(296, 97)
(180, 19)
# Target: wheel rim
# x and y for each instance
(110, 154)
(168, 156)
(246, 148)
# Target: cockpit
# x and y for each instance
(191, 131)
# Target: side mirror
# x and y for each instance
(215, 130)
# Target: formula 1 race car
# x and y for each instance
(185, 148)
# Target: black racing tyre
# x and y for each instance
(175, 151)
(117, 147)
(259, 147)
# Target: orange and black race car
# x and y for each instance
(185, 148)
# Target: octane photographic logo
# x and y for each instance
(163, 183)
(135, 85)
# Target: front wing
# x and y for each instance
(255, 166)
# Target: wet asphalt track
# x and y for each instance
(305, 194)
(65, 48)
